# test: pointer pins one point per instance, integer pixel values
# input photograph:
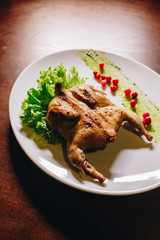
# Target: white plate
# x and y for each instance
(132, 165)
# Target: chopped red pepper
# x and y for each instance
(133, 103)
(146, 114)
(94, 73)
(147, 120)
(113, 88)
(103, 82)
(98, 76)
(134, 95)
(144, 123)
(108, 78)
(101, 65)
(103, 77)
(127, 91)
(115, 81)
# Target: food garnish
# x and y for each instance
(133, 103)
(115, 81)
(108, 78)
(35, 105)
(113, 88)
(103, 82)
(127, 91)
(95, 73)
(101, 66)
(92, 58)
(103, 77)
(134, 94)
(146, 119)
(146, 114)
(98, 76)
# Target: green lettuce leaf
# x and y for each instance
(35, 105)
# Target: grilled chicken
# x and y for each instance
(87, 119)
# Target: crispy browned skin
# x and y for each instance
(87, 119)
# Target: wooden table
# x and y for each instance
(33, 205)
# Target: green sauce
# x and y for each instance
(92, 58)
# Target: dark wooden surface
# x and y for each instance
(33, 205)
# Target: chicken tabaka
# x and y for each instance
(87, 119)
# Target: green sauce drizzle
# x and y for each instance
(92, 59)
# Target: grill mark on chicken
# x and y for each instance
(91, 100)
(64, 97)
(87, 119)
(101, 116)
(88, 124)
(93, 120)
(84, 96)
(109, 116)
(87, 94)
(60, 92)
(80, 98)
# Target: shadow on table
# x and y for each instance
(80, 215)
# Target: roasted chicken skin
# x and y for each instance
(87, 119)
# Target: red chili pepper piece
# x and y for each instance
(127, 91)
(108, 78)
(103, 82)
(98, 76)
(147, 120)
(144, 123)
(94, 73)
(115, 81)
(103, 77)
(113, 88)
(134, 95)
(146, 114)
(133, 103)
(101, 65)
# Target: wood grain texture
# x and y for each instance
(32, 205)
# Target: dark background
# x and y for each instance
(33, 205)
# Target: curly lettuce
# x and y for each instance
(35, 105)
